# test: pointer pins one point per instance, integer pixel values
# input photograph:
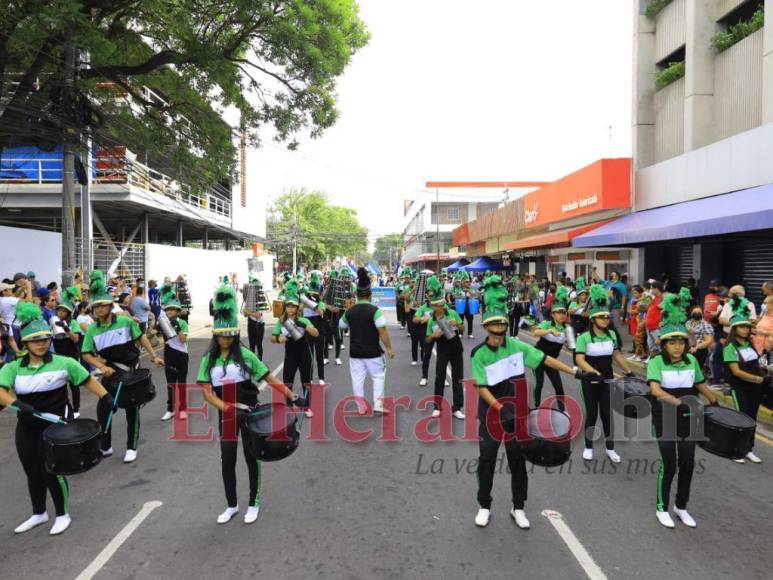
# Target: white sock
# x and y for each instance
(227, 514)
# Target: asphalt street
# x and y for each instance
(376, 509)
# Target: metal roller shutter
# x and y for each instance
(755, 264)
(684, 263)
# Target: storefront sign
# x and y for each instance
(383, 297)
(584, 202)
(531, 213)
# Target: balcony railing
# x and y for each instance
(110, 166)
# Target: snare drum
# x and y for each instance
(550, 432)
(137, 388)
(729, 433)
(461, 306)
(631, 397)
(72, 448)
(474, 306)
(272, 432)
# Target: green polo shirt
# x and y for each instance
(683, 375)
(43, 386)
(743, 352)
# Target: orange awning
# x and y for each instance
(556, 239)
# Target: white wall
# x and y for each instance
(250, 219)
(24, 250)
(202, 268)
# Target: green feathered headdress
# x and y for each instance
(345, 272)
(68, 298)
(461, 275)
(31, 323)
(599, 301)
(674, 308)
(168, 297)
(495, 300)
(332, 274)
(292, 293)
(434, 291)
(741, 311)
(98, 293)
(315, 283)
(561, 301)
(580, 285)
(226, 312)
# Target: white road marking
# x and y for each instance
(578, 550)
(102, 558)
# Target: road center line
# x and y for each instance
(102, 558)
(578, 550)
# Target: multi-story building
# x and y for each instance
(702, 137)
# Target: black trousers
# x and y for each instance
(400, 315)
(675, 455)
(468, 319)
(228, 452)
(417, 337)
(747, 398)
(255, 333)
(519, 479)
(555, 380)
(597, 400)
(297, 361)
(515, 320)
(334, 334)
(29, 446)
(454, 356)
(317, 347)
(176, 371)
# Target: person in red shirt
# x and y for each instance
(712, 304)
(652, 319)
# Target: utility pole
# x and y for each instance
(68, 167)
(295, 242)
(437, 228)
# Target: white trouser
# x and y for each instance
(361, 368)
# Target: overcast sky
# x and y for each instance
(482, 90)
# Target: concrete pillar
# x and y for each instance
(767, 66)
(643, 105)
(228, 244)
(699, 77)
(145, 230)
(205, 239)
(180, 233)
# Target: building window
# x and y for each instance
(453, 215)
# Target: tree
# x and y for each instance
(388, 249)
(319, 229)
(275, 61)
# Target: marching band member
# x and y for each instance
(315, 317)
(495, 364)
(367, 327)
(552, 337)
(227, 362)
(67, 335)
(256, 326)
(448, 350)
(297, 353)
(176, 354)
(596, 349)
(747, 381)
(37, 383)
(332, 317)
(578, 309)
(111, 344)
(468, 292)
(419, 315)
(674, 375)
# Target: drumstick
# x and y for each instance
(50, 417)
(115, 404)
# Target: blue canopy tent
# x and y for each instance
(484, 263)
(456, 266)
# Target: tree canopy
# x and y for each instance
(274, 61)
(388, 249)
(322, 230)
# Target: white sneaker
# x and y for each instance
(520, 519)
(470, 336)
(338, 361)
(587, 454)
(613, 456)
(436, 413)
(76, 415)
(343, 346)
(61, 523)
(326, 361)
(447, 383)
(130, 456)
(107, 452)
(182, 415)
(665, 519)
(742, 460)
(413, 363)
(482, 518)
(423, 382)
(309, 413)
(251, 515)
(753, 458)
(226, 516)
(379, 408)
(329, 346)
(459, 414)
(686, 518)
(34, 521)
(321, 381)
(166, 416)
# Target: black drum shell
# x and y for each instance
(552, 451)
(137, 388)
(77, 455)
(724, 439)
(631, 388)
(272, 432)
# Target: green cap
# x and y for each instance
(434, 291)
(98, 293)
(315, 283)
(226, 313)
(292, 293)
(741, 311)
(495, 299)
(32, 325)
(599, 301)
(68, 298)
(674, 314)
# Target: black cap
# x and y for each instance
(363, 283)
(19, 276)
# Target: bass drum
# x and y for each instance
(728, 433)
(631, 397)
(549, 443)
(137, 388)
(72, 448)
(272, 432)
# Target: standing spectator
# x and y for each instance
(726, 314)
(763, 332)
(767, 292)
(694, 293)
(47, 304)
(53, 288)
(652, 320)
(618, 293)
(35, 283)
(154, 298)
(701, 336)
(633, 318)
(712, 303)
(139, 309)
(7, 317)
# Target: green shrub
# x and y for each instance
(736, 33)
(673, 72)
(654, 7)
